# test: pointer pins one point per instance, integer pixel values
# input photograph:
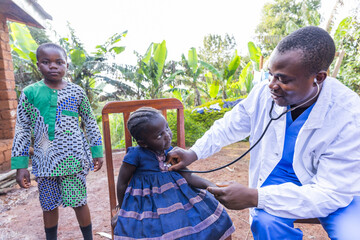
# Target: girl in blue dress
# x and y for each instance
(161, 204)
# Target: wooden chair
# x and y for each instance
(126, 107)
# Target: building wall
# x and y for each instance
(8, 102)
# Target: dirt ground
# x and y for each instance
(21, 215)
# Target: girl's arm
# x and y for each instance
(196, 181)
(125, 174)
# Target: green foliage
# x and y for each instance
(22, 42)
(347, 37)
(190, 75)
(217, 50)
(223, 77)
(245, 83)
(220, 102)
(193, 129)
(281, 16)
(246, 77)
(117, 132)
(213, 85)
(255, 54)
(87, 69)
(196, 124)
(151, 66)
(39, 35)
(23, 50)
(110, 46)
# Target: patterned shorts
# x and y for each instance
(66, 190)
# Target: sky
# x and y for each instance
(181, 23)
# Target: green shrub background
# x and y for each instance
(196, 124)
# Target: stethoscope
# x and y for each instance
(263, 133)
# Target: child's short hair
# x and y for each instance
(317, 46)
(138, 120)
(50, 45)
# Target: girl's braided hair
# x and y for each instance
(138, 120)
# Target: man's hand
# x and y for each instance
(98, 162)
(234, 195)
(180, 158)
(23, 178)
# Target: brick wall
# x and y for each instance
(8, 100)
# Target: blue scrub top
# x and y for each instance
(284, 172)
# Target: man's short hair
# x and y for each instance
(316, 44)
(50, 45)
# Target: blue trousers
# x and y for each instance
(343, 224)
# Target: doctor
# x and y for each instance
(308, 163)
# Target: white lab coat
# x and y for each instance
(326, 157)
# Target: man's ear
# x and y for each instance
(320, 77)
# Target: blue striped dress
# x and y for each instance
(159, 204)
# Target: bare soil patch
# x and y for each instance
(21, 215)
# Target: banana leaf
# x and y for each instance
(22, 42)
(193, 60)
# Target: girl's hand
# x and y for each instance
(98, 162)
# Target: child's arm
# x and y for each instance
(92, 132)
(125, 174)
(21, 143)
(196, 181)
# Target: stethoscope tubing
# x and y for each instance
(262, 135)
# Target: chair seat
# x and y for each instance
(308, 220)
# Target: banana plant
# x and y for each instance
(22, 42)
(255, 55)
(86, 69)
(213, 85)
(245, 83)
(23, 50)
(225, 76)
(193, 69)
(152, 66)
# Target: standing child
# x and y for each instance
(49, 110)
(157, 203)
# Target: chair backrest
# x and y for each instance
(127, 107)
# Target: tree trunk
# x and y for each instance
(197, 101)
(332, 15)
(224, 92)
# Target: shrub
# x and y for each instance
(196, 124)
